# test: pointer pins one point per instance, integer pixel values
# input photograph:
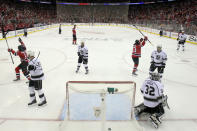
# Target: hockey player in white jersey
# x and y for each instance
(35, 83)
(83, 57)
(154, 100)
(181, 40)
(158, 60)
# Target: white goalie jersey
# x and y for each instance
(152, 92)
(83, 51)
(158, 58)
(37, 72)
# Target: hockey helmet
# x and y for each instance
(21, 48)
(30, 54)
(82, 44)
(155, 76)
(137, 42)
(159, 48)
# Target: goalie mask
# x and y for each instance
(155, 76)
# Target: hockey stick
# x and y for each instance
(36, 57)
(142, 34)
(4, 35)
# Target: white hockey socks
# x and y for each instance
(41, 95)
(32, 94)
(178, 46)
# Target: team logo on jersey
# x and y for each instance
(158, 57)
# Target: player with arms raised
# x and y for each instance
(83, 57)
(136, 54)
(24, 61)
(154, 100)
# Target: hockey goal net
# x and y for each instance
(99, 106)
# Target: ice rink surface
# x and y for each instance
(110, 51)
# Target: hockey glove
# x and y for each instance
(78, 53)
(163, 65)
(9, 50)
(19, 39)
(177, 39)
(31, 67)
(152, 62)
(145, 38)
(141, 39)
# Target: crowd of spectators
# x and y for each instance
(19, 15)
(169, 15)
(92, 14)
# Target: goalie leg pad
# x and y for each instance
(139, 109)
(154, 121)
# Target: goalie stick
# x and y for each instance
(142, 34)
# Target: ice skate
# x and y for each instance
(17, 79)
(87, 71)
(77, 71)
(32, 103)
(134, 74)
(42, 103)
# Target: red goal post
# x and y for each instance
(132, 83)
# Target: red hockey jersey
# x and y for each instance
(74, 31)
(137, 49)
(21, 54)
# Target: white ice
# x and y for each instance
(110, 51)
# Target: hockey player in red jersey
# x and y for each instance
(137, 52)
(74, 35)
(24, 61)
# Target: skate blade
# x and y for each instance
(32, 105)
(42, 105)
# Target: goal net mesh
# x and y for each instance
(103, 102)
(83, 97)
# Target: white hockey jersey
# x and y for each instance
(83, 51)
(37, 73)
(182, 37)
(152, 92)
(158, 57)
